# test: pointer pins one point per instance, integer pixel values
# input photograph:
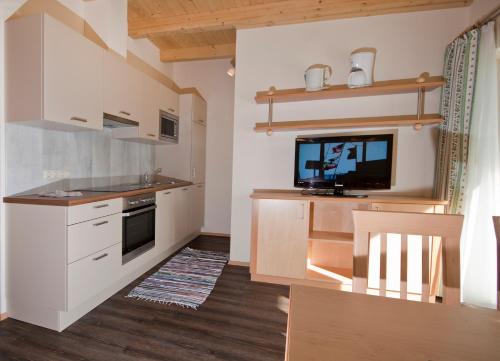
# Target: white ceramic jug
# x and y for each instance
(316, 77)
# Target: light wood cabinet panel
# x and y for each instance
(122, 85)
(198, 151)
(282, 233)
(54, 74)
(199, 113)
(166, 226)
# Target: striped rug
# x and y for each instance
(186, 280)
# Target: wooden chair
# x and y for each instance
(496, 223)
(448, 227)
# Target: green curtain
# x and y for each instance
(456, 108)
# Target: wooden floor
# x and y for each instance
(241, 320)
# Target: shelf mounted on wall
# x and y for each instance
(400, 86)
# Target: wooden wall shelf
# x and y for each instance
(399, 86)
(386, 121)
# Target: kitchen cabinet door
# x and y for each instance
(165, 222)
(121, 88)
(197, 206)
(182, 215)
(72, 77)
(198, 145)
(199, 113)
(282, 233)
(169, 101)
(149, 124)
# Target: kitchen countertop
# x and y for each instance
(89, 196)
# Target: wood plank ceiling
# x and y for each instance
(205, 29)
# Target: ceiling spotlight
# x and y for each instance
(231, 71)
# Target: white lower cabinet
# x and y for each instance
(165, 221)
(91, 275)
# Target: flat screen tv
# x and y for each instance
(351, 161)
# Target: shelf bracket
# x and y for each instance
(421, 100)
(270, 103)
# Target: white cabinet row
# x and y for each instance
(69, 259)
(56, 78)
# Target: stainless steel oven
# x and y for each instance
(138, 225)
(169, 127)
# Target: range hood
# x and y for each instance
(112, 121)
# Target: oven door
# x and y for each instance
(138, 232)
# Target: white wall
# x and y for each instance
(210, 78)
(407, 44)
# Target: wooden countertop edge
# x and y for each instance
(67, 202)
(295, 195)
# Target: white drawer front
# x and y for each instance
(93, 236)
(84, 212)
(91, 275)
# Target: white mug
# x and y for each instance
(316, 77)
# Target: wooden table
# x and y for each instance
(325, 324)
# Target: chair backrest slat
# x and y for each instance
(425, 269)
(383, 264)
(448, 227)
(404, 267)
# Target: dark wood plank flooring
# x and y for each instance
(241, 320)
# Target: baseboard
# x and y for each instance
(239, 263)
(4, 316)
(215, 234)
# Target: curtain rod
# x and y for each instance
(492, 15)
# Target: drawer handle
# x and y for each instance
(83, 120)
(172, 110)
(101, 223)
(124, 112)
(185, 189)
(100, 257)
(151, 135)
(101, 206)
(200, 186)
(167, 193)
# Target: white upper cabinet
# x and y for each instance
(199, 110)
(149, 125)
(169, 101)
(122, 87)
(54, 75)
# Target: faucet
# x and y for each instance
(148, 177)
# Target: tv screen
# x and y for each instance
(356, 162)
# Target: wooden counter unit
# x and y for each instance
(308, 239)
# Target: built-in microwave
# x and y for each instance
(169, 127)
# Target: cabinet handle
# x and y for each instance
(200, 186)
(167, 193)
(172, 110)
(101, 206)
(194, 173)
(151, 135)
(100, 257)
(124, 112)
(83, 120)
(185, 189)
(101, 223)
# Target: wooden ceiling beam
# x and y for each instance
(198, 53)
(281, 12)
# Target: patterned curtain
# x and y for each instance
(456, 109)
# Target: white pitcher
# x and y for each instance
(316, 77)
